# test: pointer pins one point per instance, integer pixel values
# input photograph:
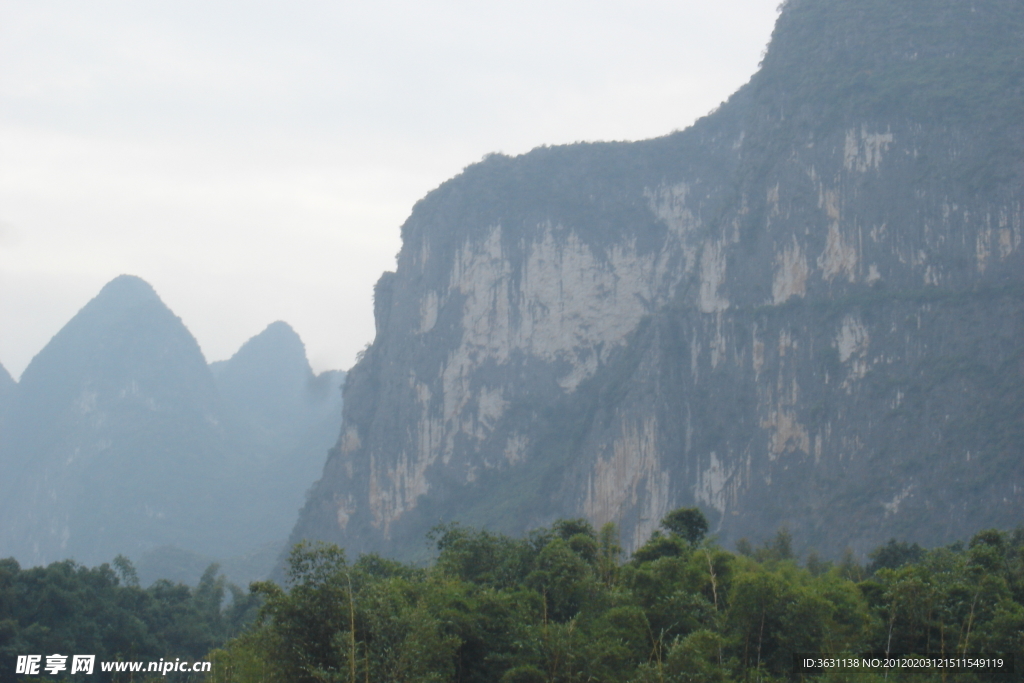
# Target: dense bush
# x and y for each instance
(69, 609)
(557, 605)
(552, 607)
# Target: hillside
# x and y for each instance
(805, 311)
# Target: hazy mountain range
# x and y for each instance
(806, 310)
(120, 439)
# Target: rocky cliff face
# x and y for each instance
(805, 310)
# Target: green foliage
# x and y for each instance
(126, 571)
(945, 60)
(659, 546)
(481, 557)
(894, 555)
(688, 523)
(69, 609)
(563, 578)
(556, 606)
(608, 554)
(549, 608)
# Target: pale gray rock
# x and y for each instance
(804, 310)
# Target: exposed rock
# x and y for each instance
(804, 310)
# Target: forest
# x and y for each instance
(69, 609)
(559, 605)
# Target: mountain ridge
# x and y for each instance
(121, 440)
(796, 312)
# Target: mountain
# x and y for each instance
(114, 419)
(7, 389)
(7, 382)
(120, 441)
(293, 415)
(803, 311)
(269, 379)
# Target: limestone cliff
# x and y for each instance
(804, 310)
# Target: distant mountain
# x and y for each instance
(185, 566)
(7, 382)
(804, 310)
(121, 441)
(270, 381)
(114, 420)
(7, 388)
(293, 415)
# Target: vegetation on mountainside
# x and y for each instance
(954, 64)
(558, 606)
(942, 60)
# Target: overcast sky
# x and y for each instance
(253, 161)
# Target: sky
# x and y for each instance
(254, 161)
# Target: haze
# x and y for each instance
(255, 162)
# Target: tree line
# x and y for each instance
(559, 605)
(69, 609)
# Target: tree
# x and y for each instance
(313, 616)
(688, 523)
(609, 554)
(894, 555)
(126, 571)
(563, 578)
